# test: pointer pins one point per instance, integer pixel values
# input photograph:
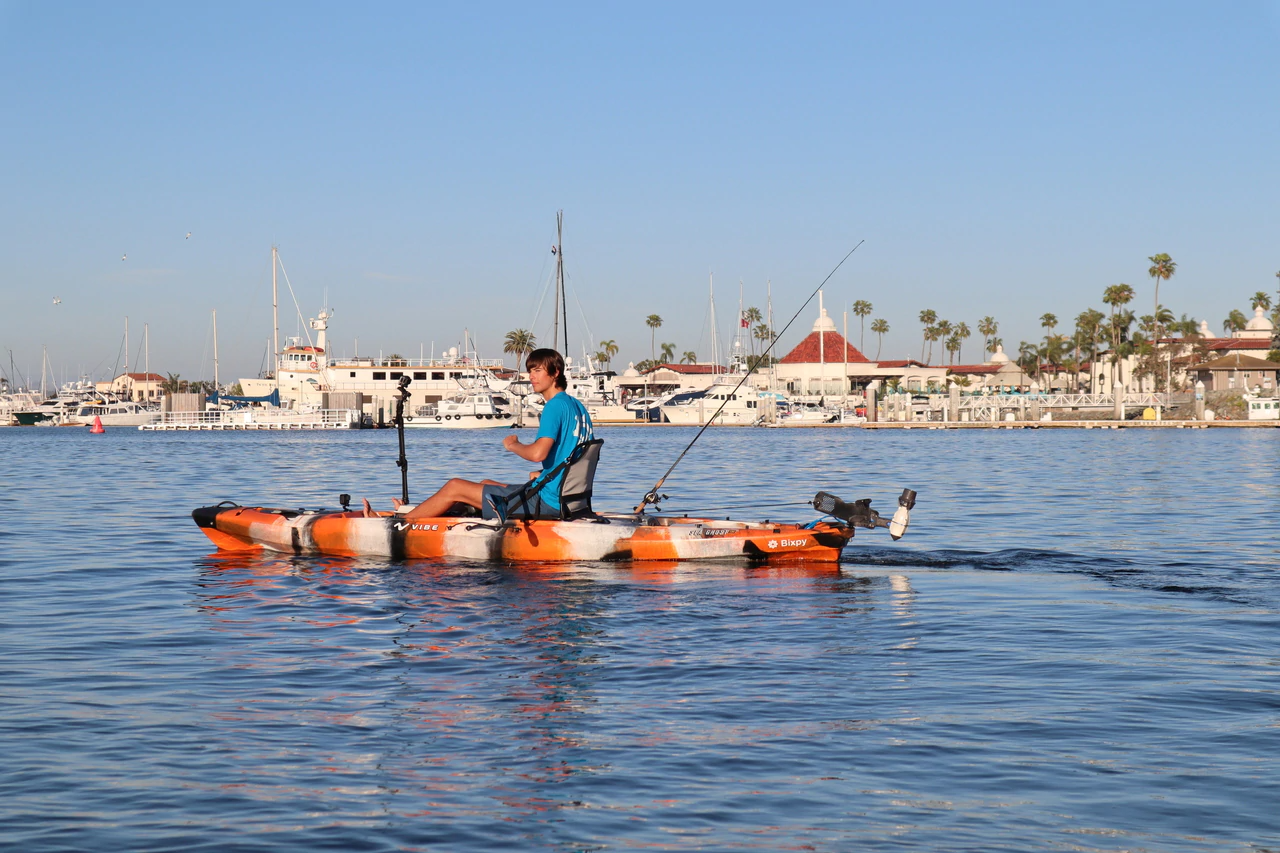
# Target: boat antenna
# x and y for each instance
(402, 394)
(653, 497)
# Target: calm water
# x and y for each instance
(1075, 648)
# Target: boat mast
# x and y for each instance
(844, 379)
(773, 373)
(126, 344)
(561, 308)
(275, 320)
(822, 351)
(715, 341)
(146, 364)
(215, 351)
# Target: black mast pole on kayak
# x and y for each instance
(401, 396)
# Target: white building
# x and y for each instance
(1254, 340)
(824, 364)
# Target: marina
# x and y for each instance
(981, 680)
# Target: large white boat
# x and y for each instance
(475, 407)
(113, 413)
(60, 409)
(728, 406)
(309, 376)
(12, 402)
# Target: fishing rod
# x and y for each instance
(402, 395)
(653, 497)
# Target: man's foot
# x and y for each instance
(368, 510)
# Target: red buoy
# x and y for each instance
(97, 426)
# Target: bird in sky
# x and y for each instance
(57, 300)
(122, 257)
(188, 237)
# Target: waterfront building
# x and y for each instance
(1186, 354)
(137, 387)
(999, 374)
(824, 364)
(1236, 372)
(665, 378)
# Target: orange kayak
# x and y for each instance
(603, 537)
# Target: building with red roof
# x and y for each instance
(824, 364)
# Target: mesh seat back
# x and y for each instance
(579, 476)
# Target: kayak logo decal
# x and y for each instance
(788, 543)
(773, 543)
(406, 525)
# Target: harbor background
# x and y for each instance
(1073, 648)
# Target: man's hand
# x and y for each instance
(511, 442)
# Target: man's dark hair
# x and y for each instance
(550, 361)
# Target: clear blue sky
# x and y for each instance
(998, 158)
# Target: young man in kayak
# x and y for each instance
(564, 425)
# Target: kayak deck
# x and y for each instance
(604, 537)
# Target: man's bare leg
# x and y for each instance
(456, 490)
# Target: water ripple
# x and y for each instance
(1073, 649)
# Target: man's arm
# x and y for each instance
(539, 450)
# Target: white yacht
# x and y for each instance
(741, 406)
(475, 407)
(115, 413)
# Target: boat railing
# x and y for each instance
(257, 418)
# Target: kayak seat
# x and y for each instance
(575, 486)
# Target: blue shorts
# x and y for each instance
(500, 496)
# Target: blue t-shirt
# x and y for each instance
(566, 422)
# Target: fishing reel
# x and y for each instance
(860, 514)
(652, 499)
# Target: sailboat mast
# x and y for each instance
(126, 344)
(215, 351)
(146, 363)
(715, 341)
(822, 351)
(844, 379)
(562, 306)
(275, 320)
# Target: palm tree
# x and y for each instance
(1115, 296)
(944, 329)
(689, 357)
(1047, 321)
(752, 316)
(962, 332)
(987, 327)
(1235, 322)
(519, 342)
(610, 349)
(927, 317)
(952, 345)
(1162, 269)
(653, 321)
(1261, 299)
(879, 327)
(1088, 328)
(668, 353)
(764, 335)
(1028, 356)
(172, 384)
(862, 310)
(996, 343)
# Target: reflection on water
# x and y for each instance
(1054, 657)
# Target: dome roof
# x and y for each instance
(998, 357)
(631, 370)
(824, 323)
(1259, 323)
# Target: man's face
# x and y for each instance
(540, 379)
